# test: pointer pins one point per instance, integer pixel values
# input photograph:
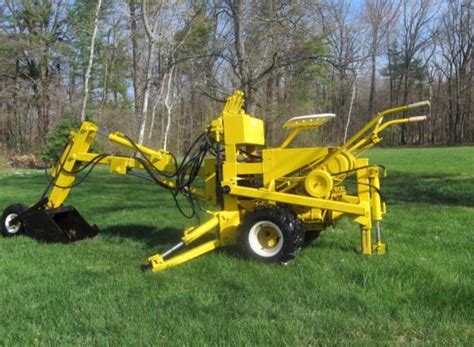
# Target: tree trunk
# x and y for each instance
(372, 105)
(91, 61)
(135, 56)
(403, 137)
(146, 94)
(168, 106)
(354, 88)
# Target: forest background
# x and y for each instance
(160, 70)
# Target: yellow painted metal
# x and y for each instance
(380, 128)
(268, 237)
(157, 262)
(290, 137)
(308, 122)
(239, 127)
(210, 180)
(279, 162)
(249, 168)
(379, 248)
(369, 131)
(194, 233)
(162, 160)
(376, 202)
(363, 192)
(319, 183)
(224, 223)
(342, 162)
(300, 200)
(76, 152)
(122, 165)
(119, 165)
(229, 222)
(378, 119)
(366, 241)
(63, 173)
(243, 129)
(313, 215)
(310, 181)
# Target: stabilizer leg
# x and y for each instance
(366, 240)
(160, 262)
(368, 189)
(379, 247)
(377, 207)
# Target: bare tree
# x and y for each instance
(247, 51)
(161, 26)
(152, 37)
(380, 16)
(91, 61)
(164, 66)
(347, 57)
(168, 103)
(417, 32)
(158, 101)
(456, 42)
(132, 6)
(35, 30)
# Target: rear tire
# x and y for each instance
(310, 236)
(10, 213)
(271, 234)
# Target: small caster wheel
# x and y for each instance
(10, 228)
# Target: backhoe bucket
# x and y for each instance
(62, 224)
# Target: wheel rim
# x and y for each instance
(12, 228)
(265, 239)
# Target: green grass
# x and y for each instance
(93, 292)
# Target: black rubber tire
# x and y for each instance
(12, 209)
(310, 236)
(289, 224)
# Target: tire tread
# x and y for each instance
(287, 220)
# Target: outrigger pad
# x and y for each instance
(62, 224)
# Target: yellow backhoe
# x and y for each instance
(268, 200)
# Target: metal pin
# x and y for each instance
(173, 249)
(379, 232)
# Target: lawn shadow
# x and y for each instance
(148, 235)
(456, 190)
(108, 207)
(332, 245)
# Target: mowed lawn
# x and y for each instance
(93, 292)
